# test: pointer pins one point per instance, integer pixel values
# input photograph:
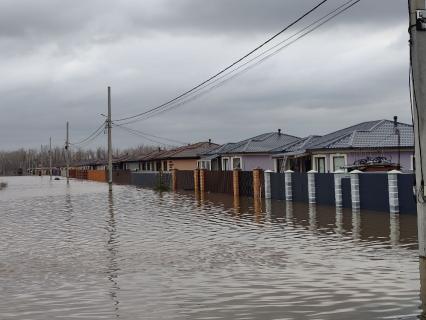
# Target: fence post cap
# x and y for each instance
(269, 171)
(289, 171)
(339, 171)
(394, 172)
(355, 172)
(312, 171)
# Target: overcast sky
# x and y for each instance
(58, 57)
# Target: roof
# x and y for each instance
(265, 143)
(365, 135)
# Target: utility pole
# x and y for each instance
(109, 125)
(417, 31)
(67, 152)
(50, 157)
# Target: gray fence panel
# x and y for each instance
(278, 186)
(246, 183)
(346, 193)
(185, 179)
(324, 188)
(151, 179)
(121, 177)
(300, 186)
(374, 191)
(219, 181)
(407, 200)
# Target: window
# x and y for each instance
(280, 163)
(320, 164)
(225, 164)
(338, 162)
(204, 164)
(236, 163)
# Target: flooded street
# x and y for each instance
(79, 252)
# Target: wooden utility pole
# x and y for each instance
(50, 158)
(67, 152)
(417, 31)
(109, 125)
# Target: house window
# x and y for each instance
(320, 164)
(280, 163)
(204, 164)
(225, 164)
(338, 162)
(236, 163)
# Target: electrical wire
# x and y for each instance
(150, 135)
(301, 34)
(229, 66)
(129, 130)
(88, 142)
(90, 136)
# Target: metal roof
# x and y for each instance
(264, 143)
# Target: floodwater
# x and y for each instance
(80, 252)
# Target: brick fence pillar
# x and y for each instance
(202, 180)
(288, 185)
(338, 195)
(393, 191)
(236, 182)
(356, 201)
(311, 186)
(197, 180)
(267, 180)
(174, 179)
(257, 183)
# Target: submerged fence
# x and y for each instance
(391, 191)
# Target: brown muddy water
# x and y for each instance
(79, 252)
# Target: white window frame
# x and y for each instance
(201, 164)
(335, 155)
(229, 162)
(315, 162)
(241, 162)
(412, 162)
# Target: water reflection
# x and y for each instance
(312, 217)
(112, 247)
(394, 230)
(339, 221)
(356, 224)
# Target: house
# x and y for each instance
(182, 158)
(251, 153)
(379, 145)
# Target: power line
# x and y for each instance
(230, 66)
(129, 130)
(89, 141)
(311, 28)
(91, 135)
(151, 135)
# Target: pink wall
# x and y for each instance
(251, 162)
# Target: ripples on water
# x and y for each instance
(78, 252)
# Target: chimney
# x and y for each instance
(279, 132)
(210, 141)
(395, 121)
(159, 149)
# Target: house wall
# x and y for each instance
(251, 162)
(133, 166)
(184, 164)
(391, 155)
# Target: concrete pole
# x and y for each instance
(311, 186)
(267, 178)
(50, 158)
(67, 152)
(393, 191)
(109, 125)
(418, 64)
(288, 185)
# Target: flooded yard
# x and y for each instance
(79, 252)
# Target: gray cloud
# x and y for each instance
(57, 58)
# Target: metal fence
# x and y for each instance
(219, 181)
(246, 183)
(300, 186)
(324, 188)
(374, 191)
(121, 177)
(278, 186)
(407, 199)
(153, 180)
(185, 179)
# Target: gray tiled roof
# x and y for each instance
(371, 134)
(264, 143)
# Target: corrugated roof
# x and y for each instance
(263, 143)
